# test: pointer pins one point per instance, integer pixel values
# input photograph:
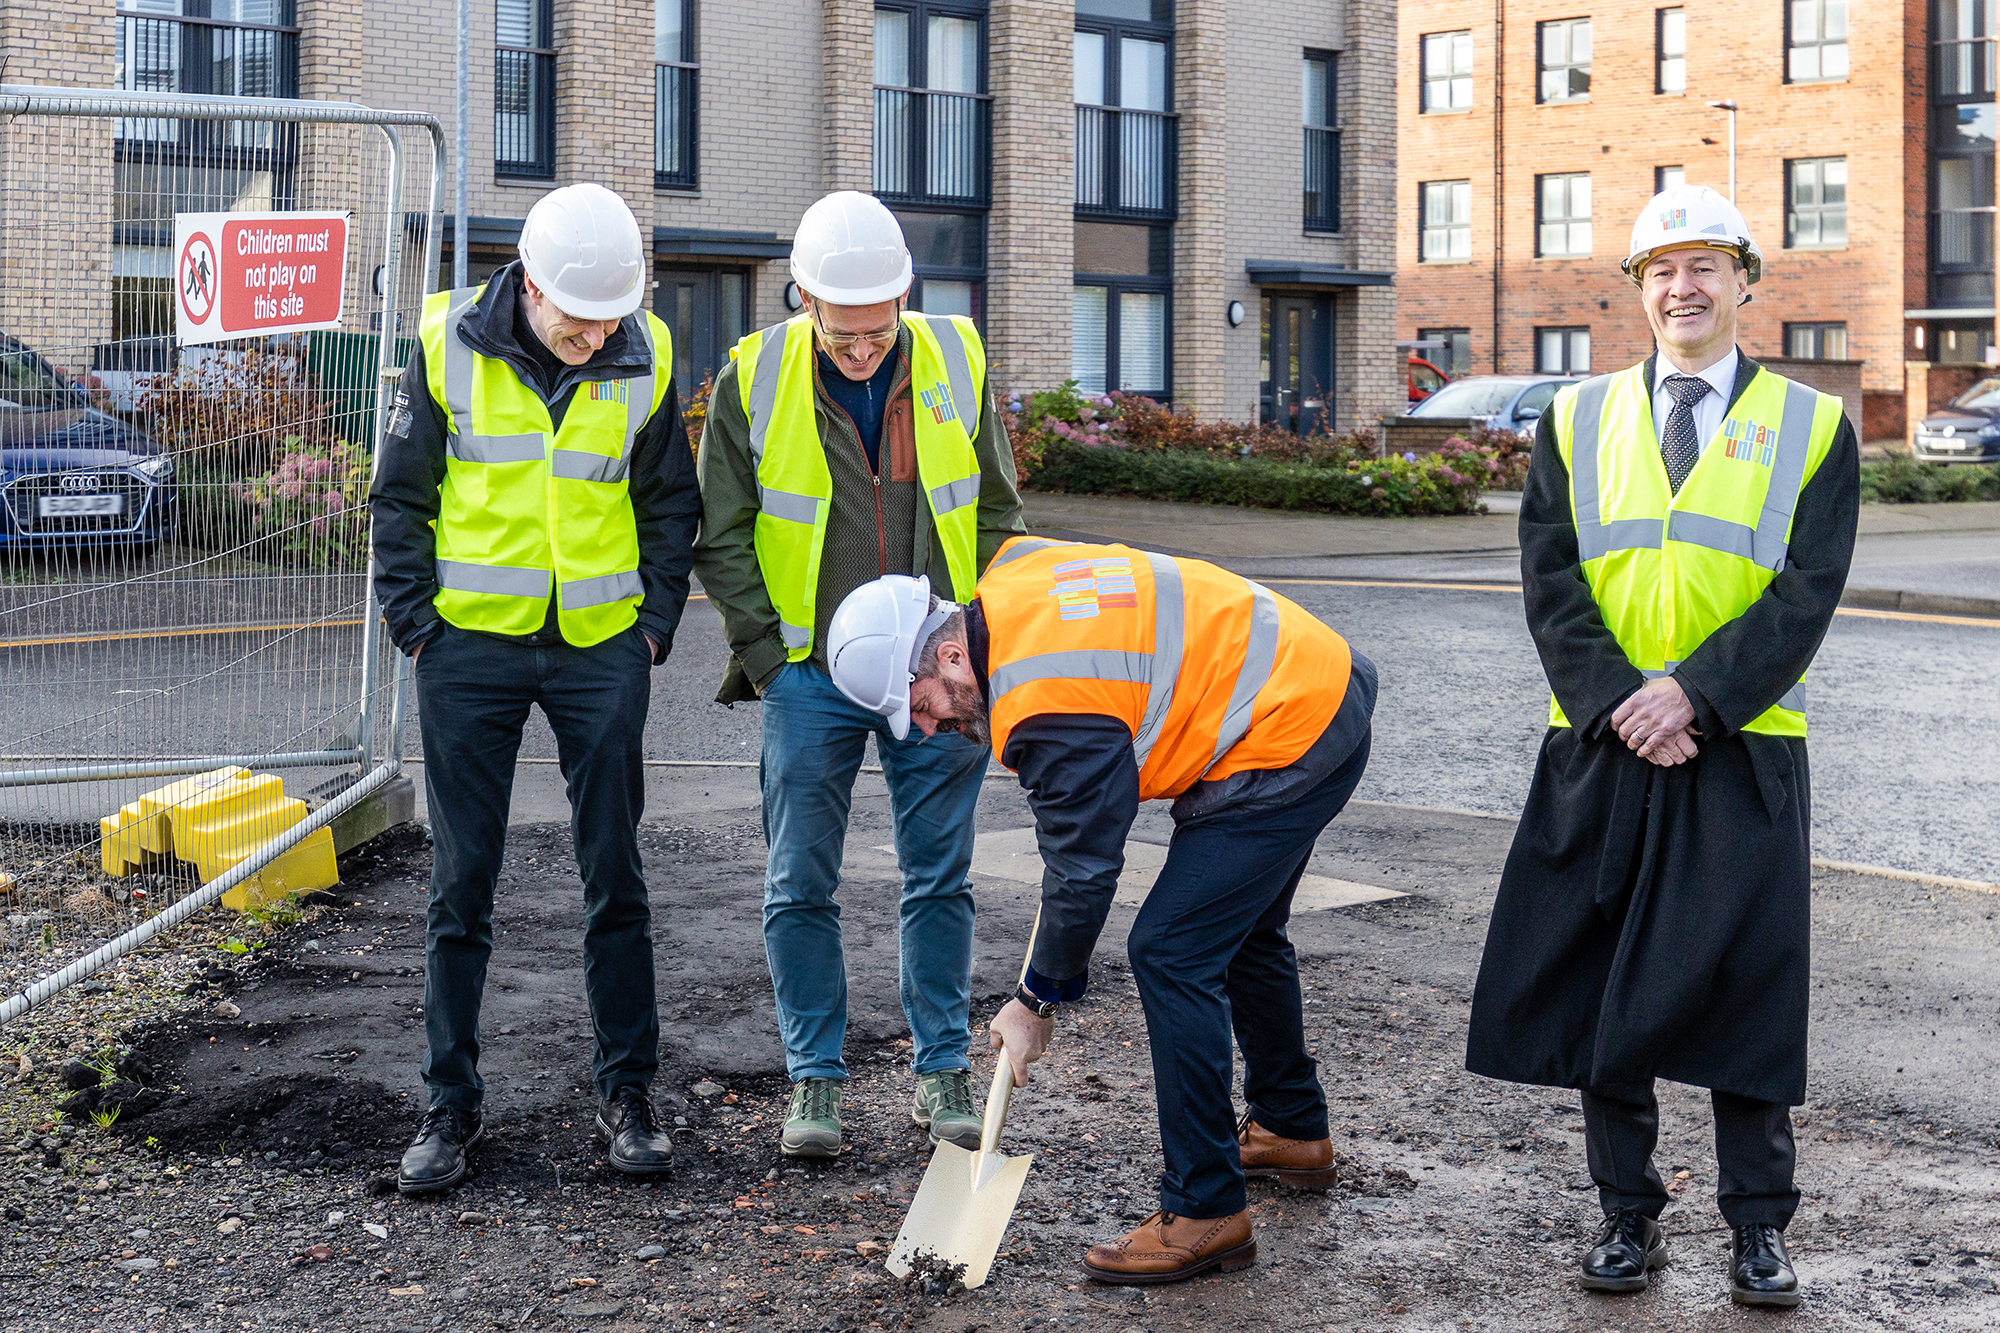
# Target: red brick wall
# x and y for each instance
(1875, 119)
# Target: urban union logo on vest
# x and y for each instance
(608, 391)
(1746, 440)
(1083, 587)
(938, 399)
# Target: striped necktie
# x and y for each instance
(1679, 446)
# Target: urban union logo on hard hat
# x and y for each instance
(938, 399)
(1093, 585)
(1746, 439)
(1671, 218)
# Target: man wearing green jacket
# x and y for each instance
(853, 441)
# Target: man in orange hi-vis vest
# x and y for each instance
(1105, 676)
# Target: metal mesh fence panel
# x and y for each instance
(192, 677)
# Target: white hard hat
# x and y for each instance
(849, 251)
(875, 639)
(581, 246)
(1687, 215)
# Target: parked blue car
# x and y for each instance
(1501, 402)
(72, 476)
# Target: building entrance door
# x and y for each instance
(1298, 363)
(708, 311)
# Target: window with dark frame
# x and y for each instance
(1966, 35)
(1122, 312)
(1666, 178)
(1127, 136)
(524, 88)
(1670, 66)
(1816, 203)
(676, 96)
(1563, 46)
(1455, 357)
(933, 121)
(1563, 350)
(1562, 215)
(1322, 142)
(1823, 340)
(1444, 221)
(1447, 60)
(1815, 40)
(949, 251)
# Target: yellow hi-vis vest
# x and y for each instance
(524, 505)
(795, 487)
(1669, 570)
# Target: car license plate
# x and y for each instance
(1940, 442)
(71, 506)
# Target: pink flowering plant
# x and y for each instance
(312, 504)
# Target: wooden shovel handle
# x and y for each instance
(998, 1098)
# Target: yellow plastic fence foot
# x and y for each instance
(306, 867)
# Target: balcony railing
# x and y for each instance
(1127, 162)
(524, 94)
(931, 146)
(1322, 179)
(1966, 68)
(676, 107)
(196, 55)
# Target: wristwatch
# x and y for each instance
(1034, 1003)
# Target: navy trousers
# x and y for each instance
(1209, 954)
(474, 692)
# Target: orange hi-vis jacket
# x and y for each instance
(1214, 674)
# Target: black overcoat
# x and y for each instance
(1654, 922)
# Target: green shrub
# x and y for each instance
(1900, 479)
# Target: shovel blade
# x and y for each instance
(956, 1217)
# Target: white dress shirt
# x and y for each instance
(1708, 413)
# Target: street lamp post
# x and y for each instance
(1730, 107)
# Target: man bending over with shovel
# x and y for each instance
(1105, 676)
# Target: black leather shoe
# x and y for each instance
(1760, 1272)
(639, 1147)
(435, 1159)
(1628, 1246)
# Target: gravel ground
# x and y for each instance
(256, 1192)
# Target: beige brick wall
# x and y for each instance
(1203, 96)
(1030, 240)
(56, 182)
(847, 55)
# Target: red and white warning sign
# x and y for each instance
(239, 274)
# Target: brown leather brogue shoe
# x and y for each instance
(1289, 1161)
(1167, 1248)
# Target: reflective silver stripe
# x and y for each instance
(502, 580)
(764, 386)
(639, 401)
(1717, 534)
(1169, 631)
(788, 505)
(1073, 664)
(458, 360)
(1594, 537)
(1794, 698)
(468, 448)
(1026, 546)
(957, 370)
(1259, 655)
(795, 636)
(954, 495)
(1788, 474)
(582, 465)
(579, 594)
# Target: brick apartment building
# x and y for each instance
(1189, 198)
(1864, 166)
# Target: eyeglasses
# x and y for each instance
(840, 342)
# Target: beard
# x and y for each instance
(973, 721)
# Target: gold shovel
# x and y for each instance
(967, 1199)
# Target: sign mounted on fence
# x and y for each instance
(241, 274)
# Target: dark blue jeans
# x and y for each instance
(474, 692)
(1209, 953)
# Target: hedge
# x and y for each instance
(1905, 480)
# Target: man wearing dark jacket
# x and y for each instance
(1685, 535)
(535, 509)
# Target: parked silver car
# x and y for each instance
(1966, 430)
(1500, 402)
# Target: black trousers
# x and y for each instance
(1754, 1154)
(474, 692)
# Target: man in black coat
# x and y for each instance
(1653, 919)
